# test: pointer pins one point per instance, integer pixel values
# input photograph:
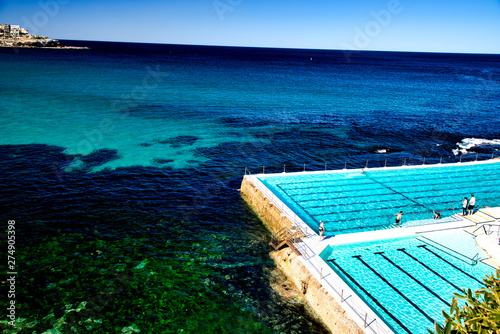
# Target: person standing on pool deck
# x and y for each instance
(472, 202)
(321, 230)
(398, 217)
(465, 204)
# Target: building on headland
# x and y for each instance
(12, 30)
(5, 30)
(15, 30)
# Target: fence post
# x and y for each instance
(404, 163)
(476, 155)
(423, 163)
(263, 169)
(385, 165)
(284, 169)
(491, 158)
(342, 296)
(460, 158)
(345, 165)
(366, 166)
(321, 273)
(366, 316)
(441, 159)
(304, 167)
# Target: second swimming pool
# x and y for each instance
(409, 281)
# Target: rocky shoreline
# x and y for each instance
(37, 42)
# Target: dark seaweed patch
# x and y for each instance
(163, 161)
(179, 141)
(99, 157)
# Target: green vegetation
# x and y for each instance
(81, 283)
(479, 314)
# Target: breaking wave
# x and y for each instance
(468, 145)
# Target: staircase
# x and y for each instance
(287, 237)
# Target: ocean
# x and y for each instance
(120, 170)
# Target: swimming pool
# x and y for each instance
(409, 281)
(351, 201)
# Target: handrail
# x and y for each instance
(378, 163)
(483, 227)
(288, 235)
(449, 251)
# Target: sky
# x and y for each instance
(462, 26)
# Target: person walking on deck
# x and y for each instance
(321, 230)
(472, 203)
(465, 204)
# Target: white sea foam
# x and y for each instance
(468, 143)
(382, 151)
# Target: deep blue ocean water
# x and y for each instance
(121, 166)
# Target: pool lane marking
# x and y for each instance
(350, 199)
(429, 268)
(395, 289)
(397, 192)
(451, 264)
(369, 295)
(413, 278)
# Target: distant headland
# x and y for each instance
(14, 36)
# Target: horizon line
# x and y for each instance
(284, 48)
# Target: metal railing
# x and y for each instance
(490, 226)
(404, 162)
(459, 256)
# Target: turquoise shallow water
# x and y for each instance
(349, 202)
(409, 281)
(121, 167)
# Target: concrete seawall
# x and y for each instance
(318, 300)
